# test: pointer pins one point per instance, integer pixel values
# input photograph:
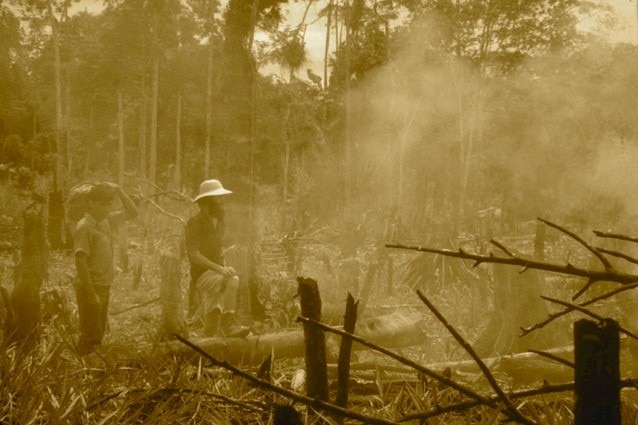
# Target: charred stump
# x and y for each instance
(24, 302)
(171, 297)
(597, 372)
(316, 367)
(343, 367)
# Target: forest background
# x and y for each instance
(426, 111)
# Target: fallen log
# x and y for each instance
(523, 368)
(391, 331)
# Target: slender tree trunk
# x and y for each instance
(209, 100)
(177, 178)
(348, 142)
(153, 147)
(120, 137)
(55, 29)
(89, 142)
(286, 160)
(327, 48)
(67, 92)
(122, 236)
(142, 140)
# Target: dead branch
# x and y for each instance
(133, 307)
(558, 314)
(610, 235)
(316, 403)
(618, 254)
(568, 269)
(553, 357)
(428, 372)
(501, 247)
(163, 211)
(511, 411)
(580, 240)
(588, 313)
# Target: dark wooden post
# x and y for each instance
(597, 372)
(171, 297)
(316, 368)
(343, 367)
(25, 297)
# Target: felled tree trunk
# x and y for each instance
(171, 298)
(25, 298)
(390, 331)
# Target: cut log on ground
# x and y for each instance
(523, 368)
(391, 331)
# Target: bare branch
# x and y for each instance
(550, 318)
(574, 236)
(589, 313)
(582, 290)
(463, 390)
(595, 275)
(501, 247)
(601, 234)
(553, 357)
(512, 411)
(316, 403)
(619, 255)
(163, 211)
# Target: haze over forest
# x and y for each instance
(436, 118)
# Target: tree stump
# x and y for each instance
(597, 372)
(343, 373)
(316, 367)
(171, 297)
(25, 298)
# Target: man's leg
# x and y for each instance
(90, 327)
(103, 293)
(211, 322)
(229, 323)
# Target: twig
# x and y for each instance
(178, 196)
(512, 411)
(601, 234)
(594, 275)
(619, 255)
(163, 211)
(450, 383)
(589, 313)
(558, 314)
(574, 236)
(501, 247)
(316, 403)
(133, 307)
(553, 357)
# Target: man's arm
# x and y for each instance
(199, 259)
(130, 210)
(85, 278)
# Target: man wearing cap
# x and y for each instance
(93, 248)
(214, 286)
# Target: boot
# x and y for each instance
(211, 323)
(230, 327)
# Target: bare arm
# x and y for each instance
(130, 210)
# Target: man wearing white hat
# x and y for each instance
(214, 286)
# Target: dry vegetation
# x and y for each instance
(131, 380)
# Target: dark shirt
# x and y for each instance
(204, 235)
